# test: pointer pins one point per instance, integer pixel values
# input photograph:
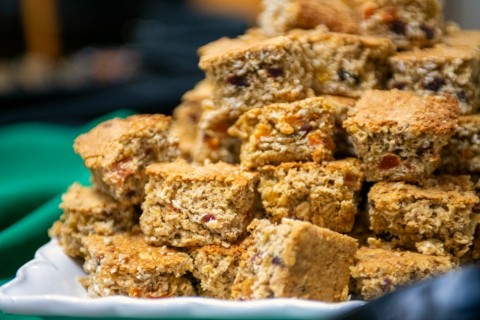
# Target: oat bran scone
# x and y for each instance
(408, 23)
(345, 64)
(443, 69)
(462, 153)
(286, 132)
(435, 216)
(295, 259)
(399, 135)
(254, 73)
(188, 205)
(378, 271)
(87, 211)
(323, 194)
(187, 115)
(280, 16)
(216, 268)
(118, 150)
(124, 264)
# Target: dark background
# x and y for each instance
(162, 35)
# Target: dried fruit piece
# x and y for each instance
(389, 161)
(238, 81)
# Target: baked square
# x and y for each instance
(345, 64)
(436, 216)
(278, 17)
(216, 268)
(462, 153)
(124, 264)
(87, 211)
(251, 72)
(399, 135)
(440, 70)
(323, 194)
(407, 23)
(188, 205)
(286, 132)
(118, 150)
(379, 271)
(295, 259)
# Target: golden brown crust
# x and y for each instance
(438, 53)
(231, 49)
(471, 120)
(86, 200)
(295, 259)
(469, 38)
(334, 14)
(404, 111)
(184, 171)
(280, 16)
(139, 254)
(98, 146)
(286, 132)
(320, 35)
(379, 271)
(453, 189)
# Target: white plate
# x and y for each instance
(48, 286)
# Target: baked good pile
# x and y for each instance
(330, 153)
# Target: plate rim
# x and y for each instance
(127, 307)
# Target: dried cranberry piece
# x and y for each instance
(398, 27)
(389, 161)
(275, 72)
(435, 84)
(238, 81)
(429, 32)
(208, 217)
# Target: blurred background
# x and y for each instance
(69, 61)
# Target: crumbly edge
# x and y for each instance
(431, 221)
(260, 77)
(408, 25)
(391, 270)
(212, 142)
(300, 131)
(195, 214)
(125, 178)
(346, 66)
(275, 266)
(216, 269)
(397, 156)
(73, 225)
(324, 195)
(185, 126)
(462, 153)
(438, 75)
(280, 16)
(112, 270)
